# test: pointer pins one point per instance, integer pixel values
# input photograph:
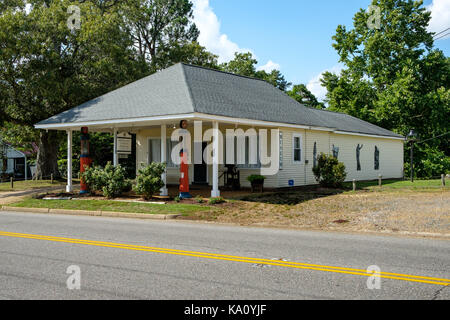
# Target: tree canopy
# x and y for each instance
(47, 67)
(394, 77)
(244, 64)
(301, 93)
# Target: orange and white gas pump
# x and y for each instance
(184, 165)
(85, 160)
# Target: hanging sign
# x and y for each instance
(124, 143)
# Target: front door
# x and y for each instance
(201, 170)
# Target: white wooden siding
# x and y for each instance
(391, 157)
(173, 174)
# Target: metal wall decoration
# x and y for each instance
(377, 158)
(358, 153)
(315, 155)
(335, 151)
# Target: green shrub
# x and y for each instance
(94, 178)
(199, 199)
(256, 179)
(177, 199)
(149, 181)
(62, 167)
(111, 180)
(218, 200)
(329, 172)
(115, 181)
(428, 163)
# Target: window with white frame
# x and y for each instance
(246, 154)
(297, 148)
(154, 151)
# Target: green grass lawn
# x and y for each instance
(115, 206)
(294, 197)
(399, 185)
(30, 184)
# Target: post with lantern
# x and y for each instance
(85, 160)
(412, 137)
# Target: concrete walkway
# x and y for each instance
(14, 196)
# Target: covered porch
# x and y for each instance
(154, 143)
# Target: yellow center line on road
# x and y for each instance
(204, 255)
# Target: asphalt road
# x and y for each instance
(135, 259)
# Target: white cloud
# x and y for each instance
(210, 35)
(440, 17)
(315, 86)
(213, 40)
(269, 67)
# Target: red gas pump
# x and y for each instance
(85, 160)
(184, 166)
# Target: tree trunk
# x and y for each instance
(47, 156)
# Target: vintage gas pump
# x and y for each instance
(85, 160)
(184, 165)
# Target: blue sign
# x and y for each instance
(291, 183)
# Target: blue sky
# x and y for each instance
(291, 35)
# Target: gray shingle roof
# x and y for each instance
(184, 89)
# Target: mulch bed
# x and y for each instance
(126, 197)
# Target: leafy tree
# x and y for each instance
(301, 93)
(393, 76)
(3, 159)
(244, 64)
(157, 26)
(189, 52)
(20, 137)
(275, 78)
(46, 68)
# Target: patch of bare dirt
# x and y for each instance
(427, 212)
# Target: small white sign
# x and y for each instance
(124, 143)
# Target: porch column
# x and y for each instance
(69, 187)
(115, 156)
(164, 191)
(215, 190)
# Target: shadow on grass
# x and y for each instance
(303, 194)
(292, 196)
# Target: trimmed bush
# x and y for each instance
(111, 181)
(329, 172)
(149, 181)
(218, 200)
